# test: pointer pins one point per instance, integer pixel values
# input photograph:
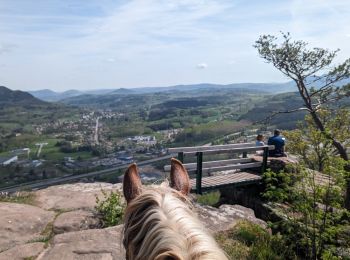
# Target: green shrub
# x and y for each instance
(111, 209)
(277, 186)
(247, 240)
(210, 198)
(248, 233)
(271, 247)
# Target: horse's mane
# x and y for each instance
(160, 225)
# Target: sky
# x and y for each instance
(94, 44)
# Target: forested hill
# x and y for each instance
(281, 102)
(17, 97)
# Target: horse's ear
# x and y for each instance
(179, 179)
(132, 185)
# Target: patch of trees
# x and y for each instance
(207, 132)
(67, 147)
(262, 111)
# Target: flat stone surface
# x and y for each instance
(23, 251)
(73, 196)
(20, 223)
(75, 221)
(93, 244)
(226, 216)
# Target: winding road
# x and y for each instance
(96, 131)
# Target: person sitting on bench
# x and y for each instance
(259, 140)
(278, 142)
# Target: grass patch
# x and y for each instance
(21, 197)
(60, 211)
(46, 235)
(233, 248)
(210, 198)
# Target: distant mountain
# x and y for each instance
(128, 101)
(275, 88)
(49, 95)
(99, 91)
(44, 94)
(123, 91)
(17, 97)
(265, 87)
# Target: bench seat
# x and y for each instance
(237, 179)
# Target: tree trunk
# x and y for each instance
(340, 148)
(347, 195)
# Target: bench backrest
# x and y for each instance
(208, 147)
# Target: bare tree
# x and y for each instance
(317, 80)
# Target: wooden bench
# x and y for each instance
(213, 182)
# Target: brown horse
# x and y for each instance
(160, 223)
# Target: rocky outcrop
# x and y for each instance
(25, 251)
(64, 219)
(103, 244)
(75, 221)
(278, 164)
(226, 216)
(20, 224)
(73, 196)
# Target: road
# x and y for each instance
(70, 178)
(40, 147)
(96, 131)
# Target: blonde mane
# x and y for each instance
(160, 225)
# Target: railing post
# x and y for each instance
(245, 155)
(264, 163)
(180, 156)
(199, 173)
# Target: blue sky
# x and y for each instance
(91, 44)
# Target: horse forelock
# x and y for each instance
(160, 224)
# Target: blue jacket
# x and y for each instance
(278, 142)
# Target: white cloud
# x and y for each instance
(201, 66)
(67, 45)
(232, 62)
(6, 47)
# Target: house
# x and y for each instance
(36, 163)
(8, 160)
(126, 159)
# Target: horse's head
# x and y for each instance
(179, 180)
(159, 222)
